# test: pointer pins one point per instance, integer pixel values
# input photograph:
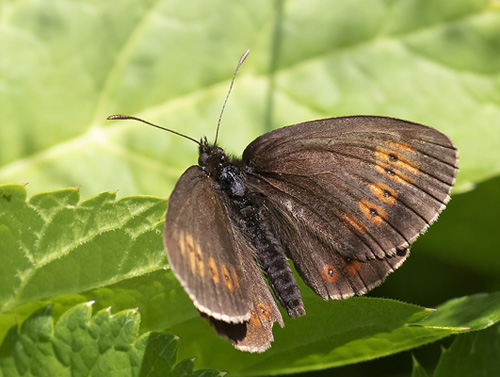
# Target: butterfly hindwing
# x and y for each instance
(214, 263)
(358, 190)
(317, 259)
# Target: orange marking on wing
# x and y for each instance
(226, 278)
(189, 242)
(358, 225)
(394, 174)
(199, 260)
(212, 270)
(330, 273)
(193, 252)
(397, 160)
(373, 212)
(235, 278)
(262, 311)
(352, 266)
(182, 243)
(383, 193)
(402, 146)
(254, 318)
(192, 261)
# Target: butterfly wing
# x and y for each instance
(350, 195)
(215, 265)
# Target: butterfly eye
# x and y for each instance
(203, 158)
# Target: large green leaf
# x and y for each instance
(70, 64)
(345, 332)
(80, 344)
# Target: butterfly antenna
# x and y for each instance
(120, 116)
(240, 62)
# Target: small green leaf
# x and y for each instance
(466, 313)
(472, 354)
(418, 370)
(80, 344)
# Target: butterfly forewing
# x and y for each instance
(214, 263)
(357, 191)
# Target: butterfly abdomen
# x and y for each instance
(249, 211)
(273, 262)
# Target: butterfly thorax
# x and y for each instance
(226, 171)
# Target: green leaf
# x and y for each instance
(340, 333)
(466, 233)
(52, 245)
(80, 344)
(418, 370)
(468, 313)
(472, 354)
(171, 62)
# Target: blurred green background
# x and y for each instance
(66, 65)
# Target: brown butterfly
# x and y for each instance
(343, 198)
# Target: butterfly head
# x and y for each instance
(212, 158)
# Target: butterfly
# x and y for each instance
(344, 198)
